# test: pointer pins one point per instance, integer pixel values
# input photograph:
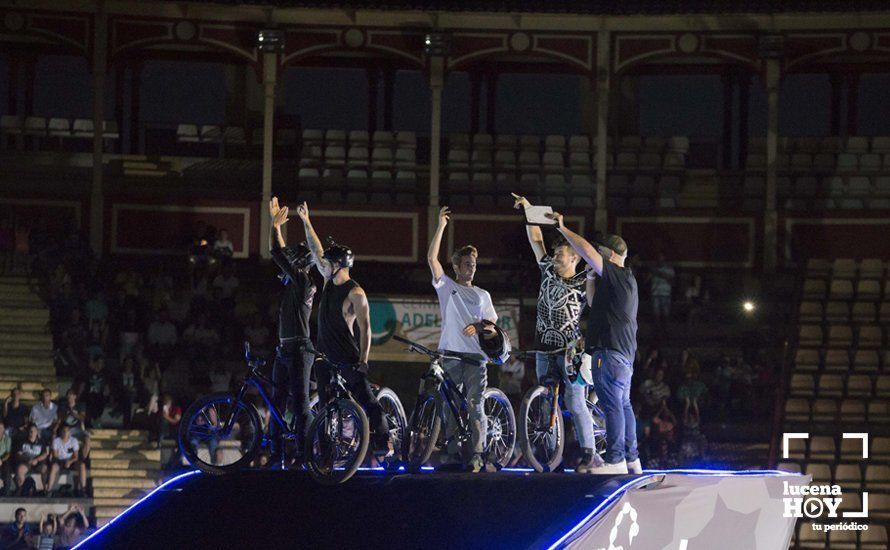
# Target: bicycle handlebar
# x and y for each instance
(414, 347)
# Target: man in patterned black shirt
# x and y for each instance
(562, 297)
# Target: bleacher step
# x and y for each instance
(116, 444)
(109, 512)
(107, 502)
(124, 464)
(126, 473)
(124, 483)
(119, 492)
(126, 454)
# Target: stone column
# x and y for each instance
(437, 79)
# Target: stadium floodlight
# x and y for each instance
(270, 40)
(437, 44)
(772, 46)
(749, 306)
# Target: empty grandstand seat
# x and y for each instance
(822, 447)
(818, 267)
(529, 161)
(335, 137)
(809, 335)
(481, 160)
(311, 155)
(530, 143)
(811, 311)
(848, 476)
(871, 268)
(820, 471)
(580, 162)
(405, 158)
(840, 336)
(843, 268)
(830, 385)
(879, 506)
(357, 138)
(824, 162)
(797, 409)
(482, 178)
(869, 162)
(877, 476)
(875, 537)
(808, 538)
(358, 157)
(824, 410)
(505, 160)
(853, 410)
(847, 162)
(630, 143)
(59, 127)
(837, 311)
(879, 411)
(870, 336)
(836, 360)
(840, 289)
(880, 449)
(406, 140)
(866, 361)
(12, 124)
(579, 144)
(797, 449)
(211, 133)
(882, 384)
(802, 385)
(884, 311)
(234, 135)
(868, 289)
(842, 540)
(185, 133)
(314, 137)
(626, 160)
(335, 155)
(506, 142)
(483, 142)
(864, 312)
(649, 161)
(458, 159)
(459, 142)
(553, 161)
(34, 126)
(792, 467)
(553, 143)
(673, 161)
(807, 360)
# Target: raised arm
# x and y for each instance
(590, 287)
(535, 237)
(580, 244)
(359, 301)
(314, 243)
(276, 238)
(432, 254)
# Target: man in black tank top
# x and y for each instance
(293, 358)
(344, 305)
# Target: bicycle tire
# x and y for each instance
(250, 450)
(501, 424)
(599, 427)
(394, 411)
(542, 458)
(338, 409)
(424, 431)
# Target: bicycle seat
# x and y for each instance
(255, 362)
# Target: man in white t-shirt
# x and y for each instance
(44, 415)
(463, 308)
(66, 456)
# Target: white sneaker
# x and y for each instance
(634, 467)
(609, 469)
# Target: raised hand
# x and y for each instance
(273, 207)
(303, 211)
(280, 218)
(444, 215)
(520, 202)
(556, 216)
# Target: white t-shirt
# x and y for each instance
(44, 416)
(459, 306)
(64, 450)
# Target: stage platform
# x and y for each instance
(508, 509)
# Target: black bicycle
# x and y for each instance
(438, 391)
(542, 419)
(222, 433)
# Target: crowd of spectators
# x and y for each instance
(51, 533)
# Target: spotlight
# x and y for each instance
(437, 43)
(749, 306)
(270, 40)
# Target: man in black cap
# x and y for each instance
(343, 310)
(612, 341)
(293, 358)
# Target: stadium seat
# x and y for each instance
(875, 537)
(357, 138)
(848, 476)
(807, 360)
(334, 155)
(674, 161)
(505, 160)
(830, 385)
(458, 159)
(864, 312)
(406, 140)
(579, 144)
(871, 268)
(818, 268)
(837, 360)
(314, 137)
(865, 361)
(879, 506)
(882, 385)
(851, 450)
(357, 157)
(859, 385)
(869, 162)
(856, 144)
(211, 133)
(34, 126)
(185, 133)
(811, 311)
(311, 156)
(824, 410)
(481, 159)
(553, 161)
(808, 538)
(482, 142)
(802, 385)
(530, 144)
(880, 449)
(59, 127)
(837, 311)
(824, 162)
(879, 411)
(847, 162)
(868, 290)
(630, 144)
(579, 162)
(877, 477)
(820, 471)
(797, 449)
(792, 467)
(808, 335)
(843, 268)
(459, 142)
(842, 540)
(554, 144)
(884, 312)
(840, 336)
(529, 161)
(381, 158)
(853, 410)
(234, 135)
(840, 289)
(882, 185)
(822, 448)
(797, 409)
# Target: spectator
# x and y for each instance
(150, 376)
(655, 391)
(131, 335)
(690, 392)
(128, 388)
(47, 535)
(661, 281)
(129, 281)
(73, 523)
(73, 413)
(5, 456)
(665, 423)
(201, 337)
(7, 245)
(223, 248)
(32, 458)
(690, 363)
(694, 297)
(227, 282)
(97, 390)
(66, 457)
(16, 535)
(161, 337)
(96, 308)
(723, 384)
(75, 338)
(45, 415)
(15, 413)
(171, 414)
(257, 335)
(220, 378)
(175, 379)
(179, 307)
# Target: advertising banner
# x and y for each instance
(420, 320)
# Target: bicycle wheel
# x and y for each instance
(424, 431)
(599, 427)
(395, 416)
(208, 445)
(337, 442)
(500, 440)
(542, 443)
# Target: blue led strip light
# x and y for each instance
(160, 487)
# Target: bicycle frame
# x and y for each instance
(253, 379)
(451, 395)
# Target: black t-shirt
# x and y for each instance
(16, 417)
(68, 419)
(296, 300)
(612, 323)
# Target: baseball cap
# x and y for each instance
(614, 243)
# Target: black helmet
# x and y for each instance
(339, 254)
(496, 347)
(298, 256)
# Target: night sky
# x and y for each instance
(691, 105)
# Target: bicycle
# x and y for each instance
(425, 423)
(542, 420)
(233, 433)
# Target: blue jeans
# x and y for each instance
(575, 397)
(611, 378)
